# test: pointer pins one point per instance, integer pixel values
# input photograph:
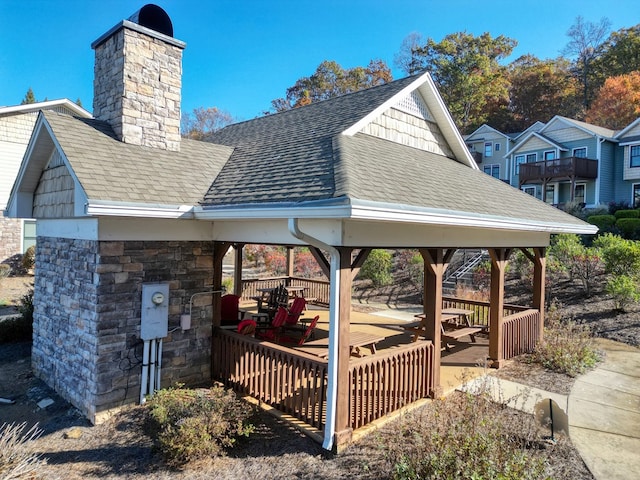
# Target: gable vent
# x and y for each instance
(414, 105)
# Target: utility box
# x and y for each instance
(155, 311)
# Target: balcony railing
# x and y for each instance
(569, 167)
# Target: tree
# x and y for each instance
(617, 103)
(407, 58)
(29, 98)
(204, 121)
(468, 73)
(586, 38)
(540, 89)
(620, 54)
(331, 80)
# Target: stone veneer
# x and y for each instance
(137, 86)
(87, 317)
(10, 241)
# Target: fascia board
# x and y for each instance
(622, 132)
(105, 208)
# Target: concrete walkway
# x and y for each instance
(603, 410)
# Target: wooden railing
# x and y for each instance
(289, 380)
(480, 309)
(389, 380)
(316, 289)
(520, 333)
(568, 167)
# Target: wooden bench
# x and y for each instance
(455, 335)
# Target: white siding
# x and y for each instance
(628, 172)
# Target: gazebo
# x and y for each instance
(121, 201)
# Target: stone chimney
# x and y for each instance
(138, 80)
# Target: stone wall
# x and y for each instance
(10, 241)
(87, 317)
(137, 88)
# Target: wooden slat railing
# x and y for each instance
(291, 381)
(480, 308)
(318, 290)
(389, 380)
(520, 333)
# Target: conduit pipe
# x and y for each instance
(334, 307)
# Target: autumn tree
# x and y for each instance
(540, 89)
(619, 54)
(586, 39)
(468, 73)
(204, 121)
(331, 80)
(28, 98)
(617, 103)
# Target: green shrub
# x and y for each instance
(626, 214)
(620, 256)
(29, 258)
(603, 222)
(465, 436)
(629, 227)
(377, 268)
(624, 290)
(191, 424)
(567, 347)
(17, 457)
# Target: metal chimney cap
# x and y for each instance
(153, 17)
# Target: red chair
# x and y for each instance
(305, 335)
(273, 331)
(297, 307)
(247, 327)
(230, 313)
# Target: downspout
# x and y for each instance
(599, 141)
(334, 307)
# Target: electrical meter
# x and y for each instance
(155, 311)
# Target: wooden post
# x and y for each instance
(499, 259)
(237, 269)
(343, 429)
(219, 251)
(290, 261)
(436, 261)
(539, 277)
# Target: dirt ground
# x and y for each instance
(118, 448)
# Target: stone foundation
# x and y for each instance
(87, 317)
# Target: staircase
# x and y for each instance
(461, 267)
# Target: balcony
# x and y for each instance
(569, 168)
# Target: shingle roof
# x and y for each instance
(111, 170)
(387, 172)
(288, 156)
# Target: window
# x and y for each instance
(549, 194)
(550, 155)
(579, 193)
(28, 234)
(532, 157)
(580, 152)
(636, 195)
(488, 149)
(493, 170)
(496, 147)
(519, 160)
(530, 190)
(634, 155)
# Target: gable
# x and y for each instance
(561, 133)
(409, 122)
(534, 142)
(54, 195)
(632, 133)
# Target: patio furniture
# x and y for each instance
(451, 319)
(273, 332)
(247, 327)
(308, 332)
(230, 313)
(275, 298)
(295, 311)
(357, 340)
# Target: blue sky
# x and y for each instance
(242, 54)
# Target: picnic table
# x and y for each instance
(458, 319)
(357, 340)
